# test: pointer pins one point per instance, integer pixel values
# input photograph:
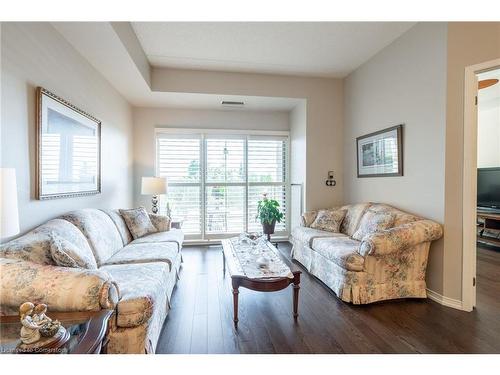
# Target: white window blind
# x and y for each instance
(225, 183)
(267, 175)
(84, 166)
(216, 180)
(51, 145)
(179, 159)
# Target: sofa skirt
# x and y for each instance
(383, 278)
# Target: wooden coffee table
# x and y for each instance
(267, 283)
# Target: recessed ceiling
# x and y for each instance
(323, 49)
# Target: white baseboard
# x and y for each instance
(445, 301)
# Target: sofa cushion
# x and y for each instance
(66, 254)
(329, 220)
(138, 222)
(34, 246)
(160, 222)
(100, 231)
(146, 253)
(306, 235)
(308, 218)
(143, 287)
(352, 217)
(121, 225)
(341, 250)
(173, 235)
(400, 217)
(372, 222)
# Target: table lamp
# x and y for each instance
(154, 186)
(9, 214)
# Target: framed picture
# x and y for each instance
(68, 149)
(380, 154)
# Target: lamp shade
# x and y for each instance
(154, 185)
(9, 215)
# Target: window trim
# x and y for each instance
(237, 133)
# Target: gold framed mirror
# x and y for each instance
(68, 149)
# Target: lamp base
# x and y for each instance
(154, 202)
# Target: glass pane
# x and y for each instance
(225, 160)
(69, 151)
(225, 209)
(266, 160)
(255, 193)
(178, 159)
(185, 205)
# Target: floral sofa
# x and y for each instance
(380, 265)
(134, 277)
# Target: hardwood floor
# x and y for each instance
(488, 280)
(201, 317)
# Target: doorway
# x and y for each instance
(481, 172)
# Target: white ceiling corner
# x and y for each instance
(320, 49)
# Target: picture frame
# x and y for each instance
(380, 154)
(68, 155)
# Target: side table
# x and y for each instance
(87, 331)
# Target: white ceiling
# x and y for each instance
(323, 49)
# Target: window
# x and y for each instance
(179, 160)
(215, 179)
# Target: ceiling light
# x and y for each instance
(487, 83)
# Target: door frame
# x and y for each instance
(469, 196)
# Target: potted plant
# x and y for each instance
(269, 214)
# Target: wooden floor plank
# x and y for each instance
(200, 320)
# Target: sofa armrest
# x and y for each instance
(61, 288)
(400, 238)
(160, 222)
(308, 218)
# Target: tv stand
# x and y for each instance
(488, 228)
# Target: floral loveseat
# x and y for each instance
(134, 277)
(384, 264)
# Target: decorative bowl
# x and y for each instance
(49, 329)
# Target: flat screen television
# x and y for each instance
(488, 189)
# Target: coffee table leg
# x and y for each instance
(296, 288)
(235, 305)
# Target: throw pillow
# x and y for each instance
(138, 222)
(329, 220)
(66, 254)
(160, 222)
(372, 222)
(308, 218)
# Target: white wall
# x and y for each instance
(147, 119)
(324, 116)
(298, 164)
(35, 54)
(488, 134)
(405, 83)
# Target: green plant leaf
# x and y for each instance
(268, 211)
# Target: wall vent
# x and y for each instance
(231, 103)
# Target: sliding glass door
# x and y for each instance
(216, 179)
